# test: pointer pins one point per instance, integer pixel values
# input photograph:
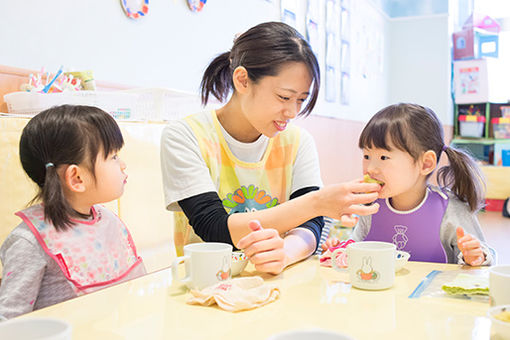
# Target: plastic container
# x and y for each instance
(505, 157)
(505, 111)
(471, 126)
(120, 105)
(501, 127)
(492, 204)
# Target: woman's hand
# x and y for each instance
(345, 199)
(264, 248)
(470, 247)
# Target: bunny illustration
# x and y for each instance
(400, 238)
(367, 273)
(224, 273)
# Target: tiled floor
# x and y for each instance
(497, 231)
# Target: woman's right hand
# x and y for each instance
(264, 248)
(347, 198)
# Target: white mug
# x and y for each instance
(206, 264)
(499, 285)
(35, 328)
(307, 334)
(371, 264)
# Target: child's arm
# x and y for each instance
(457, 214)
(22, 276)
(470, 247)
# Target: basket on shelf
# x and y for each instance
(120, 105)
(139, 104)
(161, 104)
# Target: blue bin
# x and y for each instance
(505, 157)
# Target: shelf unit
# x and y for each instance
(497, 177)
(488, 109)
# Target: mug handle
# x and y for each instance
(175, 265)
(402, 254)
(333, 259)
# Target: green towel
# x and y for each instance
(467, 284)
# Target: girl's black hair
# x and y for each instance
(416, 129)
(64, 135)
(262, 51)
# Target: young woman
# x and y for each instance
(242, 174)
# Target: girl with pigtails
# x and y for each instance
(68, 244)
(401, 147)
(243, 174)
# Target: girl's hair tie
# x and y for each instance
(49, 164)
(444, 147)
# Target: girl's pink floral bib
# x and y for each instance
(93, 253)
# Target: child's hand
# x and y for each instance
(470, 248)
(264, 248)
(330, 243)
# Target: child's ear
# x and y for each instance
(429, 162)
(73, 178)
(240, 79)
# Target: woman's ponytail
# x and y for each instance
(217, 79)
(463, 177)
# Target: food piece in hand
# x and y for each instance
(368, 179)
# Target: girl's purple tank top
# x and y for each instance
(416, 232)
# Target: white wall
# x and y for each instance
(169, 48)
(172, 46)
(420, 63)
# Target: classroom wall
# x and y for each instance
(172, 46)
(419, 56)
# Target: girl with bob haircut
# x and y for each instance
(68, 244)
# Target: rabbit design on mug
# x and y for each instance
(224, 273)
(367, 273)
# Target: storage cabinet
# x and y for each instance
(492, 152)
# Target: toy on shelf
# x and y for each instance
(473, 111)
(501, 127)
(58, 82)
(477, 39)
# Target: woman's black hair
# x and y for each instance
(416, 129)
(65, 135)
(262, 51)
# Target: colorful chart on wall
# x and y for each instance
(135, 9)
(196, 5)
